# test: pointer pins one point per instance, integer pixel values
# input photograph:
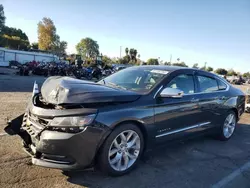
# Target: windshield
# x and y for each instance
(135, 79)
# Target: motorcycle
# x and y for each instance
(87, 73)
(106, 72)
(23, 70)
(97, 72)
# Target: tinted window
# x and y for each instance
(207, 84)
(222, 85)
(183, 82)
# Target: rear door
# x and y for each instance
(212, 95)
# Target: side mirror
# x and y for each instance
(171, 92)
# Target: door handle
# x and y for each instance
(195, 100)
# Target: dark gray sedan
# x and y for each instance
(74, 124)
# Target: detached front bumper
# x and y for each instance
(61, 150)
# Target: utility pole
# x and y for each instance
(170, 58)
(120, 52)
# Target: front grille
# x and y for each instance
(34, 124)
(35, 119)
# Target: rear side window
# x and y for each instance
(222, 85)
(207, 84)
(184, 82)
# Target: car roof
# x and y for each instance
(172, 68)
(161, 67)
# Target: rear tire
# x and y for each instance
(228, 127)
(121, 150)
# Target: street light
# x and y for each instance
(120, 51)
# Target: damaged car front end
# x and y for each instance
(59, 128)
(52, 136)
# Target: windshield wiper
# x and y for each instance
(115, 85)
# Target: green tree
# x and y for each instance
(246, 75)
(88, 48)
(34, 45)
(2, 17)
(167, 63)
(130, 57)
(46, 34)
(152, 61)
(133, 54)
(106, 60)
(59, 47)
(210, 69)
(195, 66)
(182, 64)
(221, 71)
(13, 42)
(231, 72)
(10, 31)
(13, 38)
(124, 60)
(126, 51)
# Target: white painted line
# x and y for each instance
(231, 176)
(3, 134)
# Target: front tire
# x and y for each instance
(121, 151)
(228, 128)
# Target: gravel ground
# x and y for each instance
(200, 162)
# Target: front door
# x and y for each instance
(177, 116)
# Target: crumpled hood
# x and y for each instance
(66, 90)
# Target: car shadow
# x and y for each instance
(94, 178)
(161, 166)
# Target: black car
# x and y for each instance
(74, 124)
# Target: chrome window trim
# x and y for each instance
(224, 90)
(156, 93)
(183, 129)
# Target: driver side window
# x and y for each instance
(184, 82)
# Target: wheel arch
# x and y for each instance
(140, 125)
(235, 110)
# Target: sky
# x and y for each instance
(196, 31)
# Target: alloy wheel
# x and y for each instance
(124, 150)
(229, 125)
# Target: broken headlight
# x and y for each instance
(71, 124)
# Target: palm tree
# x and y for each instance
(135, 53)
(126, 51)
(131, 51)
